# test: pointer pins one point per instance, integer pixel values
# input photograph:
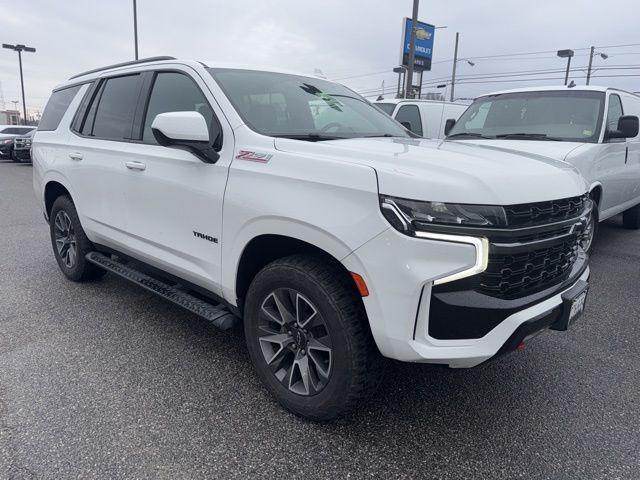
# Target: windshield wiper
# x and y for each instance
(467, 135)
(380, 135)
(309, 137)
(529, 136)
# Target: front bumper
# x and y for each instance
(400, 272)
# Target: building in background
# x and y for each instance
(10, 117)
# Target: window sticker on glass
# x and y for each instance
(328, 99)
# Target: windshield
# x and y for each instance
(306, 108)
(559, 115)
(386, 107)
(16, 130)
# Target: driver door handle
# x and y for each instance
(133, 165)
(75, 156)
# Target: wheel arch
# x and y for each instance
(595, 192)
(266, 248)
(52, 190)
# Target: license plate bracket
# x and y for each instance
(573, 303)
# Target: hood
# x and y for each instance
(451, 171)
(545, 148)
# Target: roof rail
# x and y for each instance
(123, 64)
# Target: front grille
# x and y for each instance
(22, 143)
(537, 251)
(515, 275)
(542, 213)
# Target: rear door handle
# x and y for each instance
(75, 156)
(135, 165)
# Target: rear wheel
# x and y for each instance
(308, 337)
(631, 218)
(70, 244)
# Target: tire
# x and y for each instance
(594, 223)
(14, 157)
(69, 242)
(333, 345)
(631, 218)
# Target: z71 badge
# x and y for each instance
(253, 156)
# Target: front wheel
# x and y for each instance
(307, 336)
(631, 218)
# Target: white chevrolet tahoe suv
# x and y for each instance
(594, 129)
(293, 205)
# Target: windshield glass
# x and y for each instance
(283, 105)
(16, 130)
(560, 115)
(386, 107)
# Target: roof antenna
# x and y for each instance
(572, 84)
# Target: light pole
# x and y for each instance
(593, 53)
(412, 51)
(566, 54)
(21, 48)
(135, 27)
(455, 63)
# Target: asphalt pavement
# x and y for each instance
(104, 380)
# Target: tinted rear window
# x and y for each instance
(116, 105)
(56, 108)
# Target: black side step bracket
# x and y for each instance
(217, 314)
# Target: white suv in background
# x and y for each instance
(292, 204)
(593, 128)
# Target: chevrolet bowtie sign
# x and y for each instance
(424, 44)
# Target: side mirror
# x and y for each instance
(406, 125)
(187, 131)
(627, 128)
(448, 125)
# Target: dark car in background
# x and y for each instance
(7, 135)
(22, 148)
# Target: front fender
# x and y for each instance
(274, 225)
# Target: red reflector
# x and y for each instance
(360, 283)
(520, 346)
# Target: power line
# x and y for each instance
(507, 55)
(482, 82)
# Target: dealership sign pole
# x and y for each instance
(412, 51)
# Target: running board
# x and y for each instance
(217, 314)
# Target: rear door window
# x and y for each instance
(111, 113)
(56, 107)
(411, 114)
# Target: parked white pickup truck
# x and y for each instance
(593, 128)
(292, 204)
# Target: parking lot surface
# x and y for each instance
(104, 380)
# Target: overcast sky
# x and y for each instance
(343, 38)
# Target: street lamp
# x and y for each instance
(21, 48)
(566, 54)
(455, 64)
(592, 54)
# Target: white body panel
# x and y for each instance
(148, 201)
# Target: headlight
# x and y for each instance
(410, 215)
(6, 141)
